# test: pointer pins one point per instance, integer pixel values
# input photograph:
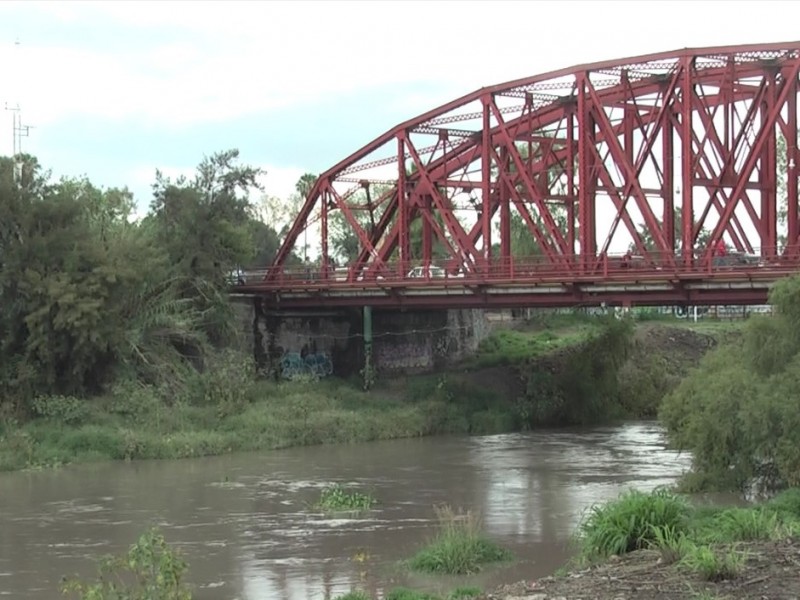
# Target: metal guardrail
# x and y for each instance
(528, 270)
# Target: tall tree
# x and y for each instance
(702, 241)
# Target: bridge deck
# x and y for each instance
(745, 284)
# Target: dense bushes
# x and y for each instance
(700, 540)
(579, 385)
(91, 299)
(739, 412)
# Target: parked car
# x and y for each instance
(427, 273)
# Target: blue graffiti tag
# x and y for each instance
(315, 365)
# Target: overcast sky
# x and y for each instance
(117, 89)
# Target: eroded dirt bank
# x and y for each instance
(769, 570)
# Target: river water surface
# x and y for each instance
(246, 525)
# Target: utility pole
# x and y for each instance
(18, 130)
(15, 110)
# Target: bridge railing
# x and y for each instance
(531, 269)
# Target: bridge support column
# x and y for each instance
(368, 372)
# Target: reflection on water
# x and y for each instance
(248, 529)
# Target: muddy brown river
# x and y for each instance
(246, 525)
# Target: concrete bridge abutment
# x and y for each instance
(291, 343)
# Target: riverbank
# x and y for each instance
(222, 413)
(708, 552)
(769, 570)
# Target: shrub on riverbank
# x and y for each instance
(139, 422)
(634, 521)
(225, 408)
(580, 384)
(738, 413)
(463, 593)
(666, 521)
(459, 547)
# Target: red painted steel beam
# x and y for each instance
(703, 67)
(573, 298)
(459, 164)
(767, 132)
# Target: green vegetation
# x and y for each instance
(150, 570)
(713, 565)
(355, 595)
(738, 412)
(581, 384)
(134, 422)
(459, 548)
(336, 498)
(461, 593)
(631, 523)
(701, 540)
(201, 412)
(542, 335)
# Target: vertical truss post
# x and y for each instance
(668, 185)
(767, 175)
(687, 165)
(505, 212)
(627, 120)
(571, 183)
(792, 208)
(586, 175)
(403, 207)
(427, 230)
(486, 175)
(323, 206)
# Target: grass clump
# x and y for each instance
(354, 595)
(670, 542)
(787, 503)
(714, 566)
(464, 592)
(459, 548)
(632, 522)
(743, 525)
(337, 498)
(402, 593)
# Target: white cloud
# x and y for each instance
(231, 59)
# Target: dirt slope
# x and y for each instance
(771, 570)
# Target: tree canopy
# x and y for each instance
(739, 412)
(89, 296)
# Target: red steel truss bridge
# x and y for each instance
(662, 179)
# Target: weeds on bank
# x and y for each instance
(714, 565)
(460, 593)
(354, 595)
(670, 542)
(702, 540)
(634, 521)
(139, 423)
(336, 498)
(459, 547)
(509, 347)
(739, 525)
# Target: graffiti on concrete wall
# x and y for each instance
(294, 365)
(399, 356)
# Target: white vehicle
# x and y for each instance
(427, 273)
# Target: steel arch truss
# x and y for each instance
(662, 156)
